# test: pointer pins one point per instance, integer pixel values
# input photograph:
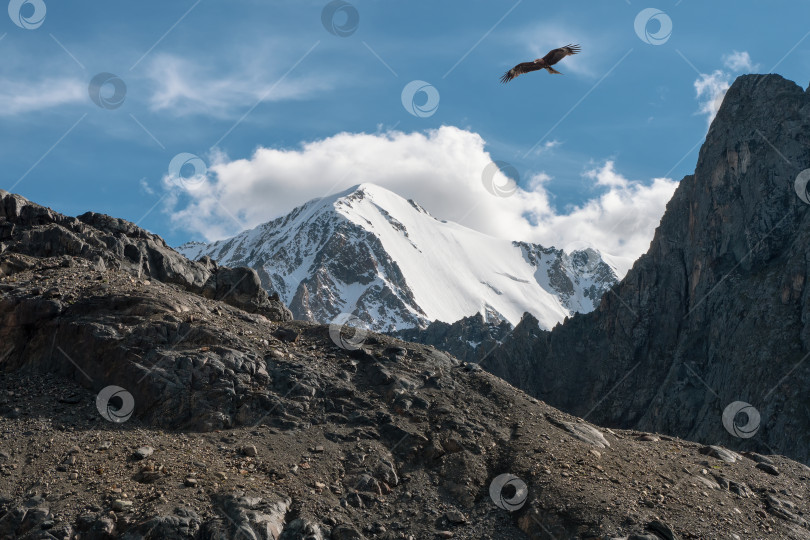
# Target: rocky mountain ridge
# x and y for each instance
(370, 253)
(470, 339)
(138, 403)
(30, 230)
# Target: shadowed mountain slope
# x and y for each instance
(718, 309)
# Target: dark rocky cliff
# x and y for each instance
(470, 339)
(717, 310)
(29, 231)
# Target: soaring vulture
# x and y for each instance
(541, 63)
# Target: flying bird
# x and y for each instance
(546, 62)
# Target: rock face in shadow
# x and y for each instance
(470, 339)
(30, 229)
(717, 311)
(138, 293)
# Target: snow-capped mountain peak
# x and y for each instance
(370, 252)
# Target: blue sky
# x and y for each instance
(221, 80)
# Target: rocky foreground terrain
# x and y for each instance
(228, 420)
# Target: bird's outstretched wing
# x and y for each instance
(546, 62)
(520, 69)
(556, 55)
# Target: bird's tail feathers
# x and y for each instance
(508, 76)
(554, 71)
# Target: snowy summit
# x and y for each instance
(369, 252)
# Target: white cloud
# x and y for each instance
(24, 97)
(739, 62)
(546, 147)
(550, 145)
(146, 187)
(606, 176)
(711, 88)
(183, 87)
(441, 170)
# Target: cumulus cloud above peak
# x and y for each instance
(739, 62)
(443, 170)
